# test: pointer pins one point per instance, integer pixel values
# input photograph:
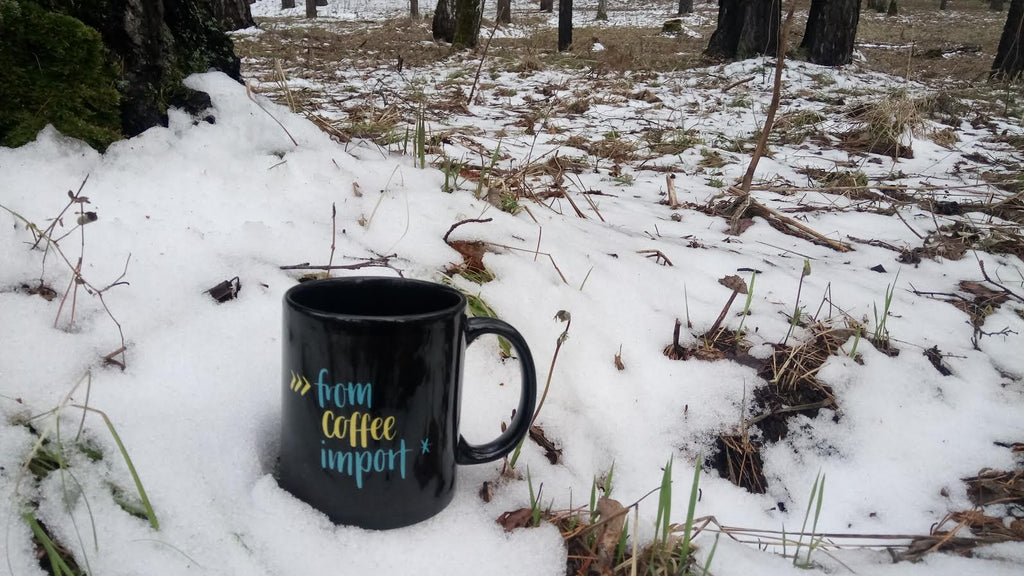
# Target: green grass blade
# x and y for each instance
(711, 555)
(661, 523)
(131, 467)
(691, 508)
(57, 563)
(807, 515)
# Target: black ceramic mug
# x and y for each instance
(370, 408)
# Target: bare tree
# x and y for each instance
(414, 8)
(1009, 62)
(468, 14)
(685, 7)
(602, 10)
(310, 8)
(233, 14)
(831, 30)
(547, 5)
(564, 24)
(746, 28)
(287, 4)
(443, 25)
(503, 13)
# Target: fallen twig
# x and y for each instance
(376, 262)
(460, 223)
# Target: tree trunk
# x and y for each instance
(1009, 62)
(310, 8)
(943, 4)
(504, 12)
(831, 30)
(602, 10)
(321, 2)
(443, 24)
(547, 5)
(996, 5)
(287, 4)
(893, 8)
(746, 28)
(233, 14)
(564, 25)
(685, 7)
(414, 8)
(467, 23)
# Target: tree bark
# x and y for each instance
(943, 4)
(831, 30)
(414, 8)
(746, 28)
(547, 5)
(685, 7)
(564, 25)
(443, 24)
(467, 23)
(503, 12)
(893, 8)
(1009, 62)
(602, 10)
(287, 4)
(310, 8)
(233, 14)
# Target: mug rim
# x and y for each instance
(446, 312)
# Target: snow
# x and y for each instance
(196, 203)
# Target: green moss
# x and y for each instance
(54, 71)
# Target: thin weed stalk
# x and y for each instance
(796, 307)
(567, 318)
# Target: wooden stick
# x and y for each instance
(762, 142)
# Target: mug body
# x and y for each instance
(370, 406)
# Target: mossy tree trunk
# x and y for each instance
(1009, 62)
(156, 44)
(503, 12)
(746, 28)
(564, 24)
(443, 24)
(831, 31)
(468, 14)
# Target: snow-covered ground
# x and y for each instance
(182, 208)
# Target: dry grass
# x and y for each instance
(909, 44)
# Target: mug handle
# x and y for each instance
(466, 453)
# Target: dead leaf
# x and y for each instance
(613, 514)
(515, 519)
(982, 293)
(226, 290)
(551, 452)
(618, 360)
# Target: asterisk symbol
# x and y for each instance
(425, 446)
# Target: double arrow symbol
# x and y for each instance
(299, 382)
